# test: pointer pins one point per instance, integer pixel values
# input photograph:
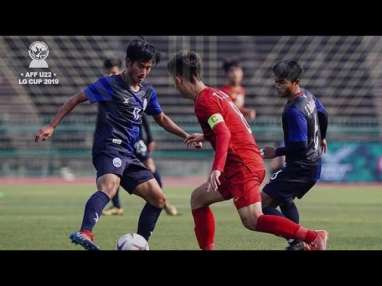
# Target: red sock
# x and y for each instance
(88, 233)
(204, 227)
(284, 227)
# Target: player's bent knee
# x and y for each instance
(157, 198)
(109, 187)
(250, 225)
(249, 222)
(110, 192)
(159, 202)
(194, 200)
(197, 198)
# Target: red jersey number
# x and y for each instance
(220, 94)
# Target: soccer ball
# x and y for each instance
(132, 241)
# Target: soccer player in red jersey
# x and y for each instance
(234, 88)
(238, 168)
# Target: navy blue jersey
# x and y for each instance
(120, 113)
(302, 131)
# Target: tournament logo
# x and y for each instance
(117, 162)
(38, 51)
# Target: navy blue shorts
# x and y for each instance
(290, 183)
(131, 171)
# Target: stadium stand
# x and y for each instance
(343, 71)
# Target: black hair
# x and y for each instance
(230, 63)
(289, 70)
(141, 50)
(112, 62)
(187, 64)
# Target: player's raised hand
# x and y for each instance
(194, 140)
(213, 181)
(44, 133)
(324, 146)
(268, 152)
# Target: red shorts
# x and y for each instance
(241, 183)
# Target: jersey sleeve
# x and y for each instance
(100, 90)
(297, 126)
(153, 106)
(205, 110)
(322, 115)
(319, 106)
(297, 134)
(209, 111)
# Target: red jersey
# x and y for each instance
(233, 91)
(213, 106)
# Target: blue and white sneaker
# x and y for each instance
(84, 239)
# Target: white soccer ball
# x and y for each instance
(132, 241)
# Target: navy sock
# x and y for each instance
(290, 210)
(271, 211)
(93, 210)
(115, 200)
(158, 178)
(275, 211)
(147, 220)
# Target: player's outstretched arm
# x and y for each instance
(223, 138)
(47, 131)
(166, 122)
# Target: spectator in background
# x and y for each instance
(234, 88)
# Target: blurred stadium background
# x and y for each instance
(345, 72)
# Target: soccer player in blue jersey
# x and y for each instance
(143, 149)
(121, 100)
(304, 122)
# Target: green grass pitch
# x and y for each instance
(40, 217)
